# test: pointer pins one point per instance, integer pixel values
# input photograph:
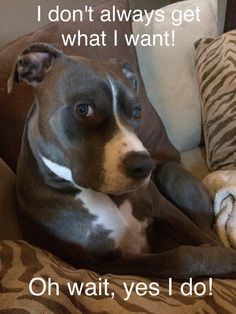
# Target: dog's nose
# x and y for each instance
(138, 165)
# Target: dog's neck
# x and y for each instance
(48, 163)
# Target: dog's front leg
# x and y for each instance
(178, 221)
(180, 264)
(185, 191)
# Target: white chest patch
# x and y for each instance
(127, 232)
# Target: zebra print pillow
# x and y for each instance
(216, 72)
(20, 262)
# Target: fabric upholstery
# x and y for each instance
(22, 262)
(230, 19)
(169, 73)
(14, 107)
(9, 227)
(216, 71)
(194, 160)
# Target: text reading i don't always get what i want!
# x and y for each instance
(165, 38)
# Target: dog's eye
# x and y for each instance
(136, 113)
(85, 110)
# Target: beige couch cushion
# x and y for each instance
(194, 160)
(169, 73)
(9, 228)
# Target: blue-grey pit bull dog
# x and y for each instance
(87, 188)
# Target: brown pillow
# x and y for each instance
(14, 107)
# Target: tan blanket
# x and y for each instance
(222, 187)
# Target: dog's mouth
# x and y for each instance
(145, 182)
(116, 189)
(125, 188)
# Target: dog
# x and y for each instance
(87, 188)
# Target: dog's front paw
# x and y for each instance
(222, 219)
(231, 227)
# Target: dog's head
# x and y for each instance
(87, 113)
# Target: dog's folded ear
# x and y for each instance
(33, 63)
(128, 72)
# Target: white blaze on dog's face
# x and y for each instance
(115, 179)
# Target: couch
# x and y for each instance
(20, 262)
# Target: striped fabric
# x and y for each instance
(20, 262)
(216, 73)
